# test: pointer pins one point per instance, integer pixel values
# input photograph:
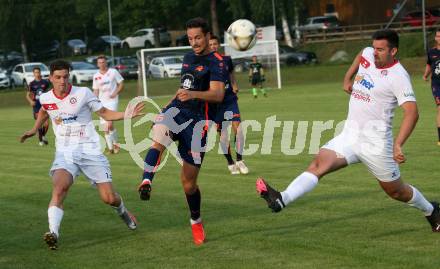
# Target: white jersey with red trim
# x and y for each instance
(376, 93)
(107, 84)
(72, 119)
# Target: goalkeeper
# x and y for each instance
(256, 77)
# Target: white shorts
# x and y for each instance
(109, 105)
(94, 166)
(376, 155)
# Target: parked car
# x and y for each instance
(182, 40)
(4, 79)
(415, 18)
(82, 72)
(93, 59)
(164, 67)
(320, 23)
(145, 38)
(127, 66)
(45, 50)
(291, 56)
(103, 43)
(22, 73)
(74, 47)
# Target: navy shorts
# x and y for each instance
(256, 79)
(436, 92)
(192, 138)
(36, 109)
(227, 111)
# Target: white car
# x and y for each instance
(145, 38)
(4, 79)
(22, 74)
(164, 67)
(82, 72)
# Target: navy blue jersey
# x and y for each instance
(197, 73)
(229, 68)
(38, 87)
(434, 62)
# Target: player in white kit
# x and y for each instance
(380, 85)
(107, 84)
(77, 145)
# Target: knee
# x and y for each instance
(109, 198)
(396, 193)
(189, 187)
(314, 168)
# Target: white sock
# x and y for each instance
(109, 140)
(55, 215)
(195, 221)
(420, 202)
(121, 208)
(114, 136)
(299, 186)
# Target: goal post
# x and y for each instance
(159, 70)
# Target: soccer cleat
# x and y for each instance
(434, 218)
(272, 197)
(145, 190)
(242, 167)
(233, 169)
(129, 219)
(198, 233)
(438, 143)
(41, 143)
(44, 140)
(51, 240)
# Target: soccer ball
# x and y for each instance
(242, 35)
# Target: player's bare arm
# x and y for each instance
(427, 72)
(29, 99)
(215, 93)
(118, 90)
(130, 112)
(410, 117)
(41, 118)
(348, 82)
(234, 84)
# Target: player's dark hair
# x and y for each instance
(389, 35)
(59, 65)
(214, 37)
(198, 23)
(101, 56)
(36, 68)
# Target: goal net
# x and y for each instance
(160, 67)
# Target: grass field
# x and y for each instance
(346, 222)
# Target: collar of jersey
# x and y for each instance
(68, 92)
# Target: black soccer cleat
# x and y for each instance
(145, 190)
(51, 240)
(272, 196)
(434, 218)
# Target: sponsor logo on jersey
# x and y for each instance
(70, 119)
(360, 95)
(408, 94)
(50, 106)
(364, 80)
(364, 62)
(73, 100)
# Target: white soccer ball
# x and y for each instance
(242, 35)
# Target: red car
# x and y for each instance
(415, 18)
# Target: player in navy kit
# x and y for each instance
(227, 112)
(185, 119)
(433, 69)
(37, 87)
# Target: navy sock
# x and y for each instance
(152, 161)
(194, 201)
(229, 157)
(438, 130)
(40, 133)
